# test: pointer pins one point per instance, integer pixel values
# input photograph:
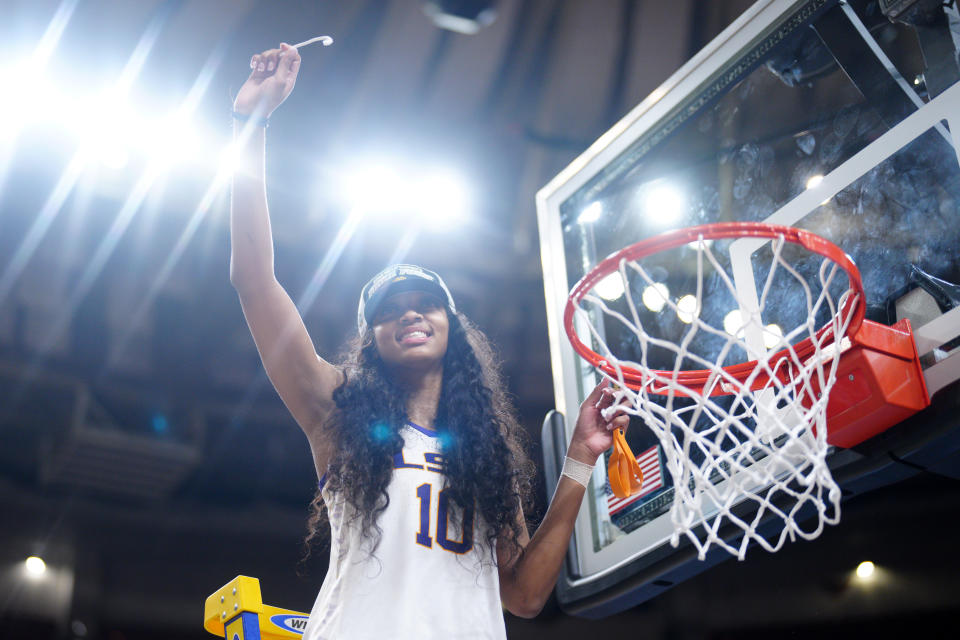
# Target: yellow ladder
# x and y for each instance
(236, 611)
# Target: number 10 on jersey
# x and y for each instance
(424, 495)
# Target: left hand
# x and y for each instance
(593, 434)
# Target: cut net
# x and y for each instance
(745, 444)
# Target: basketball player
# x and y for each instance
(422, 476)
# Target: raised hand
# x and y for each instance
(593, 433)
(273, 74)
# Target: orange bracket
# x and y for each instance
(879, 384)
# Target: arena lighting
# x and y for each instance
(373, 188)
(591, 213)
(813, 182)
(175, 137)
(35, 566)
(107, 130)
(772, 335)
(115, 129)
(130, 207)
(112, 131)
(37, 100)
(611, 287)
(113, 155)
(171, 139)
(230, 157)
(51, 37)
(113, 99)
(441, 198)
(865, 570)
(663, 203)
(433, 198)
(655, 296)
(27, 75)
(101, 125)
(106, 127)
(687, 308)
(733, 322)
(40, 225)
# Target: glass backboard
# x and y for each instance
(841, 118)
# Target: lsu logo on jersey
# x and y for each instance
(432, 461)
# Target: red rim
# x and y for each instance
(698, 378)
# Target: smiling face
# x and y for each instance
(411, 330)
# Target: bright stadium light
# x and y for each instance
(375, 188)
(113, 154)
(733, 322)
(435, 199)
(865, 570)
(230, 157)
(105, 128)
(591, 213)
(611, 287)
(663, 204)
(442, 199)
(772, 335)
(109, 144)
(655, 296)
(35, 566)
(37, 100)
(171, 139)
(814, 181)
(687, 308)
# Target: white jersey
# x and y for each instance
(427, 579)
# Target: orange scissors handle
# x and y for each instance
(624, 471)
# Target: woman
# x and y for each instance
(415, 445)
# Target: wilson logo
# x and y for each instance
(294, 624)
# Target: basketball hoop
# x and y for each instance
(745, 441)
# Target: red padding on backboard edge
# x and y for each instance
(879, 384)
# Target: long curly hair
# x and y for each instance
(483, 445)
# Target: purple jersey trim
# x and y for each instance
(429, 432)
(323, 480)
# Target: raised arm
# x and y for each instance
(527, 579)
(304, 381)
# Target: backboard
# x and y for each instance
(841, 118)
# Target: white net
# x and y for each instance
(744, 448)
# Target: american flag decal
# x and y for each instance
(649, 462)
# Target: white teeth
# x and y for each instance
(416, 334)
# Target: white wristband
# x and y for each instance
(577, 471)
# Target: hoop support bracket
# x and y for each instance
(879, 384)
